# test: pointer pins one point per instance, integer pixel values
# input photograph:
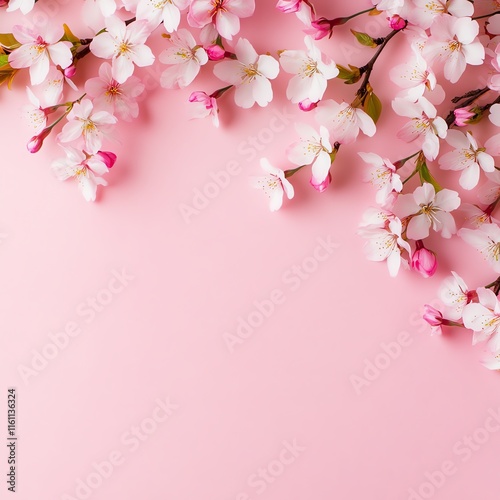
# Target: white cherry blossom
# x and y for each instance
(425, 127)
(344, 121)
(454, 44)
(425, 209)
(84, 122)
(250, 74)
(313, 149)
(311, 72)
(275, 185)
(185, 58)
(125, 45)
(486, 239)
(39, 49)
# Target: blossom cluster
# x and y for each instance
(446, 40)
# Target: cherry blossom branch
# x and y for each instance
(474, 95)
(367, 69)
(486, 15)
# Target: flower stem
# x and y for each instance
(368, 67)
(348, 18)
(400, 163)
(415, 172)
(486, 15)
(289, 173)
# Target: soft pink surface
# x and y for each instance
(163, 335)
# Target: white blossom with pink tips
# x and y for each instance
(453, 43)
(39, 49)
(483, 318)
(425, 128)
(414, 77)
(125, 45)
(314, 149)
(84, 168)
(382, 174)
(492, 361)
(224, 14)
(424, 12)
(486, 239)
(87, 124)
(344, 121)
(34, 113)
(312, 72)
(425, 209)
(184, 57)
(386, 244)
(467, 157)
(203, 106)
(250, 74)
(167, 12)
(475, 216)
(119, 99)
(454, 294)
(275, 185)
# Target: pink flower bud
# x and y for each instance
(424, 261)
(70, 71)
(397, 23)
(215, 52)
(432, 316)
(35, 143)
(288, 6)
(107, 157)
(321, 186)
(320, 28)
(462, 116)
(307, 105)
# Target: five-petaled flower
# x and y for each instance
(311, 72)
(39, 49)
(424, 208)
(85, 168)
(274, 184)
(224, 14)
(125, 45)
(84, 122)
(313, 149)
(250, 74)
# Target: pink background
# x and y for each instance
(293, 379)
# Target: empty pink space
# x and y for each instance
(176, 340)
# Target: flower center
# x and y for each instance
(123, 48)
(310, 68)
(81, 171)
(454, 45)
(494, 250)
(249, 73)
(113, 90)
(89, 127)
(218, 5)
(435, 7)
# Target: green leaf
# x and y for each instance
(68, 36)
(350, 76)
(8, 41)
(372, 106)
(364, 39)
(426, 176)
(7, 75)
